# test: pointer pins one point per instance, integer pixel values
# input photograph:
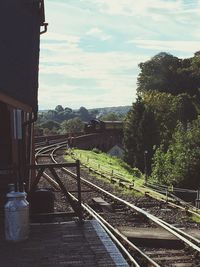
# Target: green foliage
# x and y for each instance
(111, 117)
(195, 218)
(166, 73)
(168, 110)
(106, 162)
(140, 134)
(137, 173)
(72, 126)
(180, 164)
(96, 150)
(151, 122)
(50, 125)
(60, 114)
(59, 108)
(84, 114)
(168, 95)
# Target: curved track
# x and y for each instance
(187, 251)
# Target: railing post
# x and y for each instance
(166, 194)
(79, 190)
(197, 202)
(145, 167)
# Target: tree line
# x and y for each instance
(163, 123)
(65, 120)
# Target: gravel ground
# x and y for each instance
(162, 210)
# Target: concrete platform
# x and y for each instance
(62, 244)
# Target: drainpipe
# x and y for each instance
(28, 123)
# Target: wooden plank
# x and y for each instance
(147, 233)
(183, 264)
(102, 203)
(169, 258)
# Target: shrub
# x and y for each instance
(180, 164)
(96, 150)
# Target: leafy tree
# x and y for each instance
(159, 73)
(111, 117)
(140, 134)
(72, 126)
(166, 73)
(59, 108)
(180, 164)
(152, 121)
(51, 125)
(51, 115)
(84, 114)
(168, 110)
(94, 113)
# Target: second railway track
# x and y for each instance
(138, 220)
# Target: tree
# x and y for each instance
(151, 123)
(72, 126)
(140, 134)
(166, 73)
(59, 108)
(180, 164)
(51, 125)
(84, 114)
(159, 73)
(51, 115)
(168, 110)
(110, 117)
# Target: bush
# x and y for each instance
(136, 172)
(96, 150)
(180, 165)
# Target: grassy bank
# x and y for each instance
(105, 163)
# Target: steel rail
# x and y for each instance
(113, 237)
(106, 225)
(181, 232)
(156, 220)
(190, 208)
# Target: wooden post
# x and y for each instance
(197, 202)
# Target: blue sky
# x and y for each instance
(89, 56)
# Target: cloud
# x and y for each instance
(179, 11)
(106, 73)
(72, 96)
(183, 46)
(99, 34)
(92, 53)
(132, 7)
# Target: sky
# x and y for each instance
(90, 54)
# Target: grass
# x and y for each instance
(107, 164)
(195, 218)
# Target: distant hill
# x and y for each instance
(120, 110)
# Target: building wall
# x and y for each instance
(16, 136)
(103, 141)
(19, 49)
(20, 22)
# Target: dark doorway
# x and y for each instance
(5, 136)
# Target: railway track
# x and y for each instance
(116, 214)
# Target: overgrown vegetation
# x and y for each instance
(195, 218)
(180, 164)
(112, 165)
(65, 120)
(162, 124)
